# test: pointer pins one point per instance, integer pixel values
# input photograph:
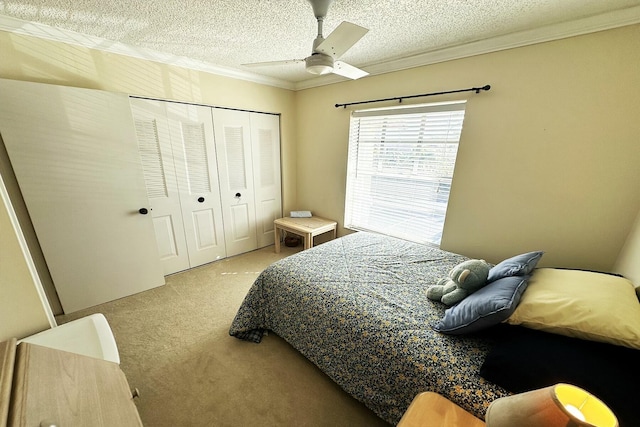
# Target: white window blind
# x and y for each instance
(400, 168)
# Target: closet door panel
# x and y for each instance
(265, 141)
(194, 154)
(166, 240)
(241, 229)
(75, 156)
(204, 229)
(233, 144)
(154, 144)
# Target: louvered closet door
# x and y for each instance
(194, 154)
(154, 143)
(233, 145)
(265, 141)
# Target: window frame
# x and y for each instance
(417, 144)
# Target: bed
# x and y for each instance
(357, 308)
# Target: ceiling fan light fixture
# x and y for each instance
(319, 69)
(319, 64)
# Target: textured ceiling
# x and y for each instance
(229, 33)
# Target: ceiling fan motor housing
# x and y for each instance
(319, 63)
(320, 7)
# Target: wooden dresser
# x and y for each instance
(40, 386)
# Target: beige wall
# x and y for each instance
(548, 158)
(23, 311)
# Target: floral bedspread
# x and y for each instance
(357, 308)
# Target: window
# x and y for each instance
(400, 169)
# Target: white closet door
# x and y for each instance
(233, 144)
(265, 141)
(194, 155)
(154, 143)
(76, 159)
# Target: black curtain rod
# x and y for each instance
(203, 105)
(400, 98)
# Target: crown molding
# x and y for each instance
(42, 31)
(605, 21)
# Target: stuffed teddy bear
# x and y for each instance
(463, 280)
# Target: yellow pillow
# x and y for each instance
(581, 304)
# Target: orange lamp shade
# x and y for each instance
(560, 405)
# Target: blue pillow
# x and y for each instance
(486, 307)
(518, 265)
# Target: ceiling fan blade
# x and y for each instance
(345, 70)
(269, 63)
(341, 39)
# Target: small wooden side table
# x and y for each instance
(429, 409)
(305, 227)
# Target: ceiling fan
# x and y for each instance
(326, 52)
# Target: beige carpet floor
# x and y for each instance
(175, 348)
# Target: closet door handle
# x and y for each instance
(238, 195)
(201, 199)
(143, 211)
